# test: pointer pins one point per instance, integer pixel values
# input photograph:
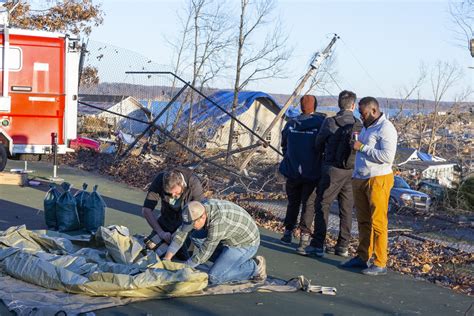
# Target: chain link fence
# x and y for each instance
(127, 96)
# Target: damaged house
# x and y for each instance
(255, 109)
(124, 105)
(421, 165)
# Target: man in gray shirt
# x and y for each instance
(372, 182)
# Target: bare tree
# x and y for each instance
(443, 76)
(180, 44)
(211, 25)
(462, 19)
(404, 123)
(407, 92)
(204, 39)
(257, 62)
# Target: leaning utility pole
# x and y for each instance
(315, 64)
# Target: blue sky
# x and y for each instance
(382, 46)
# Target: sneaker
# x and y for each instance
(338, 251)
(261, 269)
(287, 237)
(304, 242)
(355, 262)
(312, 251)
(374, 270)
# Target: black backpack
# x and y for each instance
(345, 154)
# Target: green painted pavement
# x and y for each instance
(394, 294)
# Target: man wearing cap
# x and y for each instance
(174, 189)
(227, 235)
(301, 167)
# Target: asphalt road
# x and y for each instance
(394, 294)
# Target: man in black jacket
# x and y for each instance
(334, 140)
(174, 189)
(301, 167)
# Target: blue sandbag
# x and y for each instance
(81, 197)
(94, 211)
(66, 210)
(50, 207)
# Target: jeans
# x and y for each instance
(231, 264)
(301, 194)
(334, 183)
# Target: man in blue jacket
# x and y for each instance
(301, 167)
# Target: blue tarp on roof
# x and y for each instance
(203, 110)
(206, 109)
(427, 157)
(207, 117)
(424, 156)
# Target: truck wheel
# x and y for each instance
(3, 157)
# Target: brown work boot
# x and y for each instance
(261, 269)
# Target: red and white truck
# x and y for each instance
(39, 74)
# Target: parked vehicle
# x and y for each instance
(436, 191)
(402, 196)
(38, 92)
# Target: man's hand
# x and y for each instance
(168, 256)
(357, 145)
(166, 236)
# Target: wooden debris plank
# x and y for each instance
(10, 178)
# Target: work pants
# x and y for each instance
(335, 183)
(371, 198)
(301, 194)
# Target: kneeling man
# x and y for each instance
(227, 235)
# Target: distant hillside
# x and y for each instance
(165, 93)
(391, 103)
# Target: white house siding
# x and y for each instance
(443, 173)
(124, 107)
(258, 117)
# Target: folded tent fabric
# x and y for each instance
(56, 264)
(34, 258)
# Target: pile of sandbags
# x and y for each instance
(64, 211)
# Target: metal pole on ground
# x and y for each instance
(315, 64)
(54, 138)
(25, 169)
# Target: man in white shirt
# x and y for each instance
(372, 182)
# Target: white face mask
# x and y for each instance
(173, 201)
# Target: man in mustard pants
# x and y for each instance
(372, 182)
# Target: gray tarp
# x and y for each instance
(114, 267)
(111, 267)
